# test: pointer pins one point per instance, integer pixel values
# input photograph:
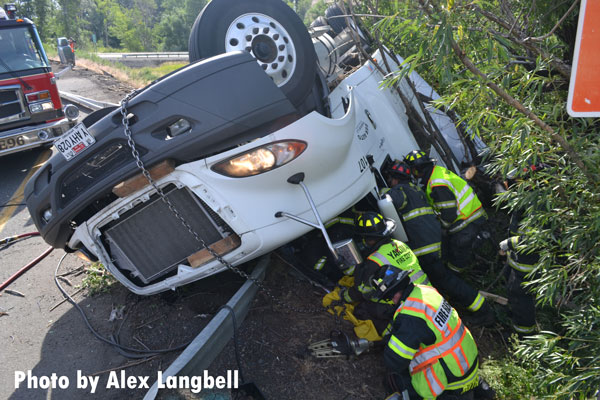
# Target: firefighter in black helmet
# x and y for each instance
(376, 232)
(459, 210)
(425, 239)
(430, 352)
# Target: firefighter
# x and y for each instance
(430, 353)
(460, 211)
(376, 232)
(521, 302)
(425, 236)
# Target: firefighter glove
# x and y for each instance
(333, 296)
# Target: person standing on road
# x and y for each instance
(431, 353)
(425, 236)
(460, 211)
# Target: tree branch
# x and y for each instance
(560, 21)
(519, 38)
(459, 52)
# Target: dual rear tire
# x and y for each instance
(267, 29)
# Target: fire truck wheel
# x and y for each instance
(269, 30)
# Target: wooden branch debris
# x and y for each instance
(497, 298)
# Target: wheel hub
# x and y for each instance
(264, 48)
(267, 41)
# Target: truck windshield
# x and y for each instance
(20, 50)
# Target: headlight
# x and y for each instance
(261, 159)
(71, 112)
(39, 107)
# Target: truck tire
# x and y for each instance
(269, 30)
(336, 23)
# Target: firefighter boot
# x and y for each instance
(483, 391)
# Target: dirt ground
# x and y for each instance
(272, 339)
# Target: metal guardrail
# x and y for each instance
(198, 356)
(91, 104)
(167, 55)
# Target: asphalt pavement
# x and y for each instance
(38, 333)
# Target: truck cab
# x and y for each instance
(31, 112)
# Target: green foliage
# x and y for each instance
(510, 379)
(128, 25)
(316, 10)
(97, 279)
(562, 202)
(149, 74)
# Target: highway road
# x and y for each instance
(16, 170)
(33, 332)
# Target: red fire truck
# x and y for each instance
(31, 112)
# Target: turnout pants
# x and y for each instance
(521, 303)
(447, 282)
(457, 248)
(395, 382)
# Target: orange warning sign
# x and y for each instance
(584, 89)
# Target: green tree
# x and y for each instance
(316, 10)
(504, 67)
(42, 11)
(173, 30)
(67, 18)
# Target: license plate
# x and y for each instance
(9, 143)
(74, 141)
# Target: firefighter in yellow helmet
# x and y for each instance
(376, 232)
(431, 353)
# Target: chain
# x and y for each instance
(163, 197)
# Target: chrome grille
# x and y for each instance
(149, 241)
(12, 104)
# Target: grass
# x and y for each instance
(98, 279)
(136, 77)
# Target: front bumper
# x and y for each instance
(29, 137)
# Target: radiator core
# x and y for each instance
(151, 241)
